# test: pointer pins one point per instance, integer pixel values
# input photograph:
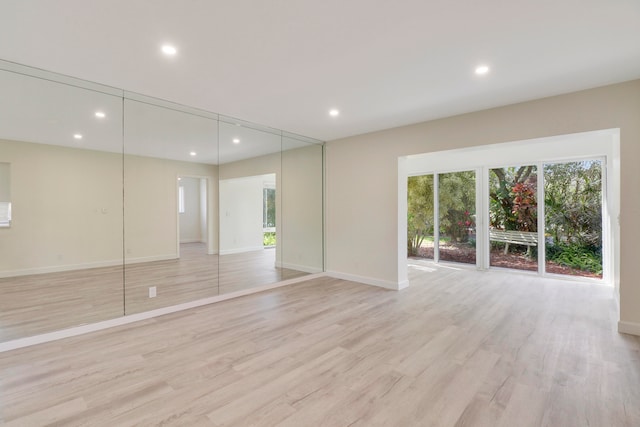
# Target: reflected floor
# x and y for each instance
(36, 304)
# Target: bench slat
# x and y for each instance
(528, 238)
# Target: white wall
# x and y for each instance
(262, 165)
(191, 218)
(362, 178)
(302, 228)
(68, 208)
(5, 182)
(241, 213)
(151, 206)
(299, 212)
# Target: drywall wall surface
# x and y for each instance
(151, 206)
(191, 218)
(66, 206)
(241, 213)
(362, 176)
(302, 209)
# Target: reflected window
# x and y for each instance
(269, 215)
(5, 195)
(181, 199)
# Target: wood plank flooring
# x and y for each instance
(456, 348)
(37, 304)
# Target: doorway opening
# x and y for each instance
(193, 216)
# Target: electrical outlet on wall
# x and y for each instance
(152, 292)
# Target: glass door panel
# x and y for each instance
(513, 216)
(457, 206)
(573, 218)
(420, 217)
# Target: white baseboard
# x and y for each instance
(191, 241)
(368, 280)
(298, 267)
(98, 326)
(139, 260)
(241, 250)
(631, 328)
(84, 266)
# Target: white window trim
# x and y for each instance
(599, 145)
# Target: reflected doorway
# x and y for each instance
(193, 216)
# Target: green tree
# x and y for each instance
(419, 211)
(573, 202)
(457, 204)
(512, 193)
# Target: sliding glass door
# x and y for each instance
(441, 220)
(456, 209)
(573, 218)
(420, 218)
(513, 217)
(544, 217)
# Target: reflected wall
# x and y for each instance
(61, 257)
(123, 203)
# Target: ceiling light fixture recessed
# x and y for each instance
(236, 141)
(77, 136)
(482, 69)
(100, 115)
(167, 49)
(334, 113)
(192, 153)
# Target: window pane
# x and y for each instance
(420, 216)
(573, 214)
(457, 208)
(513, 216)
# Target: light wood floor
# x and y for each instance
(458, 347)
(36, 304)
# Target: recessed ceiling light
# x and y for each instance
(334, 113)
(77, 136)
(167, 49)
(482, 69)
(100, 115)
(236, 141)
(193, 153)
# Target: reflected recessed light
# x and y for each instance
(334, 113)
(482, 69)
(167, 49)
(236, 141)
(100, 115)
(193, 153)
(77, 136)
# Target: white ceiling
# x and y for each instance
(284, 63)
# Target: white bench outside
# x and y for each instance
(528, 238)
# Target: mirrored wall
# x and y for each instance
(114, 203)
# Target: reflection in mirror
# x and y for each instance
(302, 229)
(5, 194)
(250, 200)
(61, 259)
(170, 221)
(114, 203)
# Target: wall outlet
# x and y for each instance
(152, 292)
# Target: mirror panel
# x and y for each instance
(122, 218)
(302, 207)
(250, 198)
(61, 258)
(170, 177)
